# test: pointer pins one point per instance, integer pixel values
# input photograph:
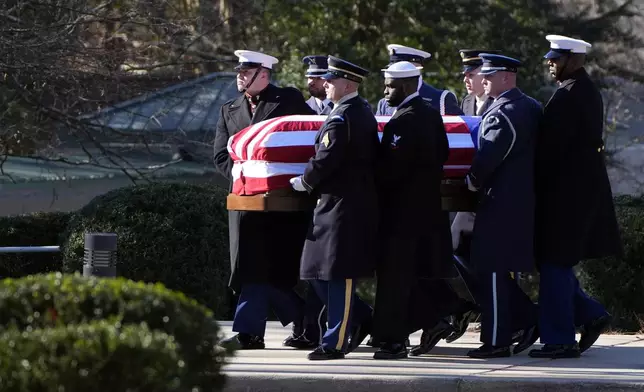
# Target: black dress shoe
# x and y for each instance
(372, 342)
(529, 336)
(591, 331)
(391, 351)
(517, 336)
(300, 342)
(322, 354)
(431, 337)
(298, 327)
(460, 324)
(556, 351)
(358, 334)
(244, 341)
(488, 351)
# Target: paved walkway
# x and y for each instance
(615, 363)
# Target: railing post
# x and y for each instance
(100, 255)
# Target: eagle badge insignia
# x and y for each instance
(394, 142)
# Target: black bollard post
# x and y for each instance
(100, 255)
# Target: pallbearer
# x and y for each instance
(575, 213)
(414, 241)
(265, 247)
(502, 241)
(339, 248)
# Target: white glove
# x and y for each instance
(296, 183)
(470, 186)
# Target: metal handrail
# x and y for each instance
(29, 249)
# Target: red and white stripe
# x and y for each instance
(267, 154)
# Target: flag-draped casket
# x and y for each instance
(267, 154)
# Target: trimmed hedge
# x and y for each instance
(55, 299)
(38, 229)
(619, 282)
(176, 234)
(97, 357)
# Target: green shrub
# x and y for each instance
(38, 229)
(97, 357)
(619, 282)
(41, 301)
(176, 234)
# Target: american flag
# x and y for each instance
(267, 154)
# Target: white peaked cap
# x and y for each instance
(406, 50)
(247, 57)
(401, 69)
(568, 44)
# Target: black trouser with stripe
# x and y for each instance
(505, 308)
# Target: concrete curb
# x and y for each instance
(271, 382)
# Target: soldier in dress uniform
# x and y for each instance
(340, 245)
(308, 332)
(474, 104)
(575, 212)
(476, 101)
(317, 67)
(414, 241)
(502, 241)
(442, 100)
(445, 102)
(265, 247)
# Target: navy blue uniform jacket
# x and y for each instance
(503, 171)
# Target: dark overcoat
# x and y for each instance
(575, 212)
(414, 230)
(503, 171)
(265, 247)
(468, 105)
(444, 101)
(341, 242)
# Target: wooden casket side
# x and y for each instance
(281, 200)
(455, 197)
